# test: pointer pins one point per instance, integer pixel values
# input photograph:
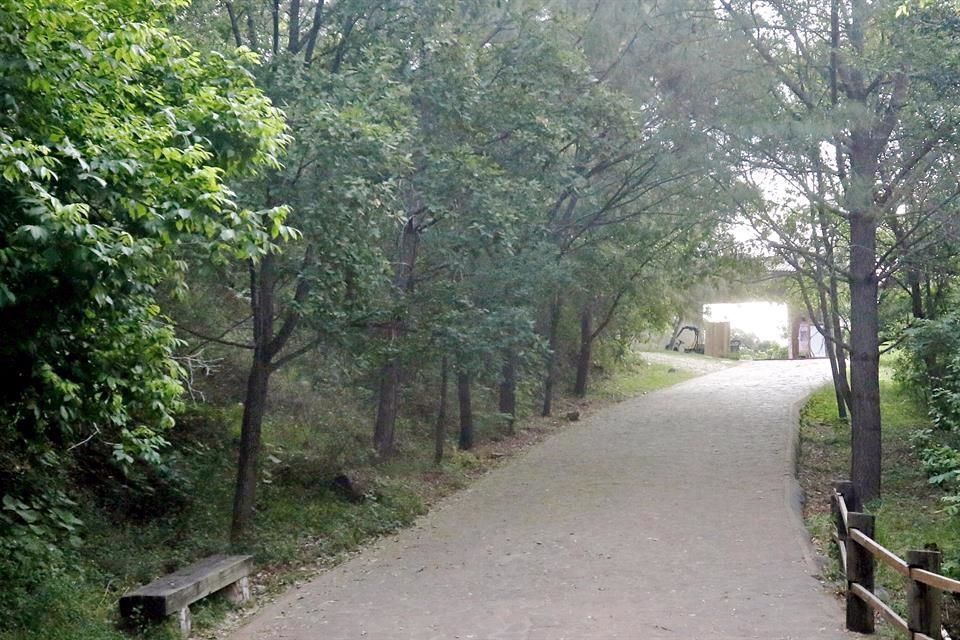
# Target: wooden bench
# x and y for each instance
(174, 593)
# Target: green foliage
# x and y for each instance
(116, 140)
(929, 367)
(349, 130)
(753, 348)
(942, 464)
(906, 6)
(129, 160)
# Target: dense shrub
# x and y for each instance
(929, 367)
(116, 142)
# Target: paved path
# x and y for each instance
(667, 516)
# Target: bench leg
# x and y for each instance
(183, 618)
(238, 592)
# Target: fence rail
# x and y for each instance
(858, 552)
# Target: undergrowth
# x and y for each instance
(910, 513)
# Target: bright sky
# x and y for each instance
(766, 320)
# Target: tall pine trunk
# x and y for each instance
(867, 146)
(864, 358)
(466, 412)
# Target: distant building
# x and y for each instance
(805, 340)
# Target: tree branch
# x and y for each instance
(217, 339)
(310, 346)
(314, 32)
(234, 25)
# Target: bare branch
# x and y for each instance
(214, 339)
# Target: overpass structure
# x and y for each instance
(774, 286)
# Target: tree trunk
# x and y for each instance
(833, 346)
(830, 316)
(440, 429)
(832, 350)
(912, 272)
(864, 358)
(391, 372)
(553, 338)
(830, 300)
(293, 27)
(466, 412)
(387, 404)
(671, 346)
(508, 390)
(585, 356)
(916, 295)
(262, 281)
(254, 408)
(841, 384)
(867, 146)
(933, 300)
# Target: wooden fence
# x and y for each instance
(858, 553)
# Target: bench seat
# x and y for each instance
(174, 593)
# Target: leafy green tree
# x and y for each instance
(857, 115)
(470, 205)
(337, 69)
(116, 143)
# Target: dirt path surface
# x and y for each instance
(667, 516)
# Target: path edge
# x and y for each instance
(793, 494)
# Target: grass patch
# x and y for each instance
(910, 513)
(639, 376)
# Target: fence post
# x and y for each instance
(923, 601)
(846, 489)
(860, 571)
